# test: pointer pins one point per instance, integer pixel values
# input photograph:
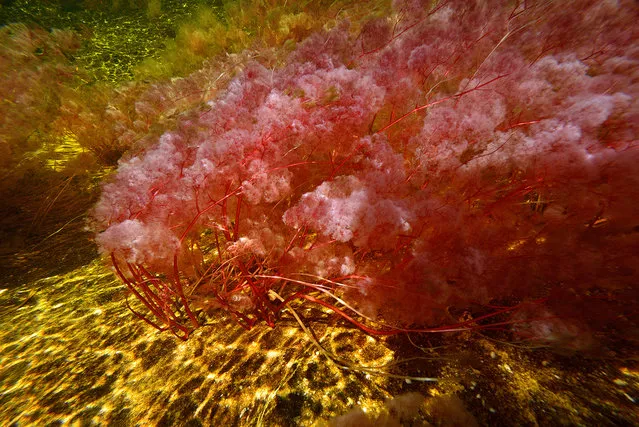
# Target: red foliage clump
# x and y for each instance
(439, 158)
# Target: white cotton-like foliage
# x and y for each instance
(334, 266)
(335, 208)
(266, 187)
(139, 243)
(347, 210)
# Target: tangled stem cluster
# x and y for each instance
(439, 157)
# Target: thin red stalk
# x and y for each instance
(157, 305)
(129, 285)
(439, 101)
(142, 317)
(164, 305)
(341, 313)
(237, 218)
(225, 221)
(208, 208)
(262, 304)
(158, 283)
(398, 35)
(180, 292)
(155, 310)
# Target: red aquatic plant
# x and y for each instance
(436, 158)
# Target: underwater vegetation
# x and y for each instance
(447, 166)
(438, 198)
(34, 77)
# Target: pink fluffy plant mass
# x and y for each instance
(442, 157)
